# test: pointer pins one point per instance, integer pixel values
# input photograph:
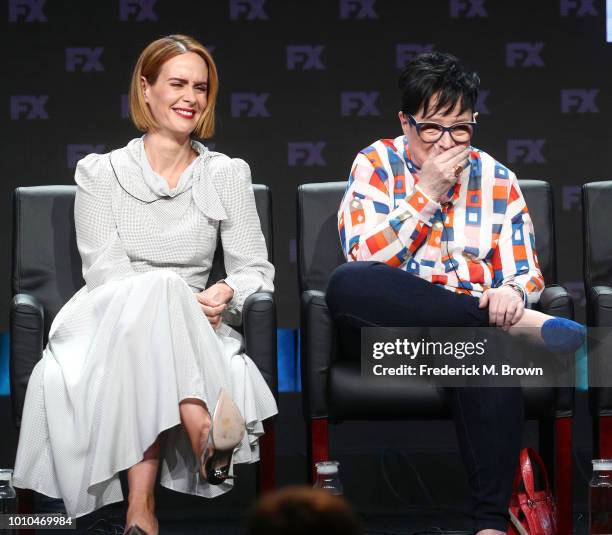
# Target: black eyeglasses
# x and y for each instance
(432, 132)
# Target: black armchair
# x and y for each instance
(596, 202)
(333, 389)
(46, 272)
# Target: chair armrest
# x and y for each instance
(27, 320)
(599, 306)
(259, 327)
(318, 352)
(556, 301)
(599, 314)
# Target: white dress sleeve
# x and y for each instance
(244, 247)
(103, 255)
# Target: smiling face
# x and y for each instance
(422, 150)
(178, 96)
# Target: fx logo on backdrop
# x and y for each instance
(357, 9)
(249, 105)
(248, 10)
(306, 57)
(359, 104)
(306, 153)
(28, 10)
(481, 102)
(581, 7)
(471, 8)
(524, 55)
(84, 59)
(526, 150)
(29, 107)
(571, 197)
(76, 152)
(137, 10)
(404, 52)
(579, 100)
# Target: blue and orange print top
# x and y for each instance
(481, 238)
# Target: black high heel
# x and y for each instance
(226, 432)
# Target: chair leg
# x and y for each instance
(605, 437)
(266, 471)
(563, 475)
(319, 443)
(546, 433)
(25, 506)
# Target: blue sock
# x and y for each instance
(562, 335)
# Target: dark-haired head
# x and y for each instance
(438, 101)
(436, 82)
(303, 510)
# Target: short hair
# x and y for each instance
(437, 73)
(302, 510)
(149, 65)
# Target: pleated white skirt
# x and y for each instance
(119, 360)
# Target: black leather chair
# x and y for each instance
(46, 272)
(333, 389)
(597, 258)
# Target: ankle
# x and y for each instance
(204, 437)
(141, 501)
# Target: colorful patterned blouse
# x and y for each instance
(481, 238)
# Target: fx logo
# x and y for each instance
(524, 55)
(249, 104)
(357, 9)
(359, 104)
(404, 52)
(581, 7)
(77, 152)
(306, 154)
(28, 10)
(471, 8)
(571, 197)
(526, 150)
(88, 59)
(29, 107)
(137, 10)
(579, 100)
(248, 10)
(125, 106)
(307, 57)
(481, 102)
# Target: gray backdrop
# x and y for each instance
(303, 86)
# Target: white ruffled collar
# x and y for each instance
(157, 183)
(136, 177)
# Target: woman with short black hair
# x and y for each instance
(454, 221)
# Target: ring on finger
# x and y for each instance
(457, 170)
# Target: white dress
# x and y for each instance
(133, 342)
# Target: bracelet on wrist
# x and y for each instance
(518, 289)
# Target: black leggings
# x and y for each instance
(488, 421)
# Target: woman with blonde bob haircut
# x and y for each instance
(149, 65)
(142, 367)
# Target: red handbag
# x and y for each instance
(532, 512)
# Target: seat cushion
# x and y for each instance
(353, 397)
